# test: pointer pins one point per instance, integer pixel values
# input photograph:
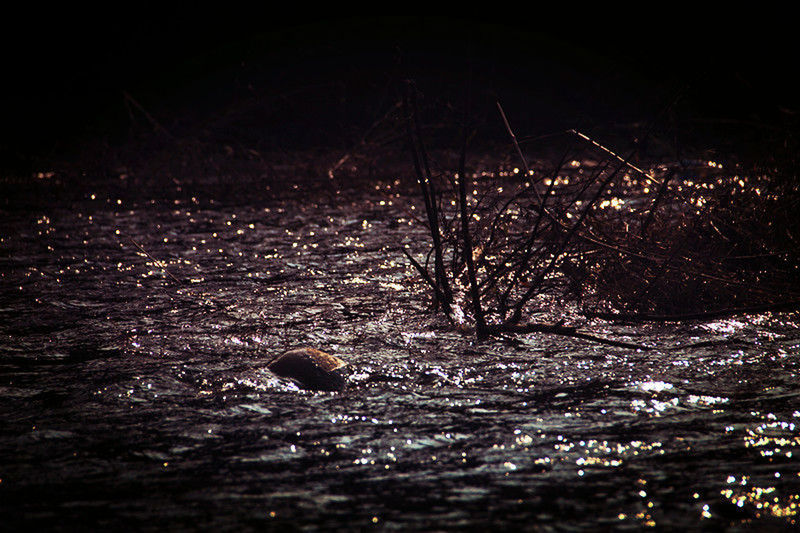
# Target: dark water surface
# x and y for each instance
(129, 401)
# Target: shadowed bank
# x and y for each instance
(322, 82)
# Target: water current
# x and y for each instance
(130, 400)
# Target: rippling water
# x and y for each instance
(134, 401)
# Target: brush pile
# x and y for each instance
(703, 239)
(621, 238)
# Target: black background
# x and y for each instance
(65, 71)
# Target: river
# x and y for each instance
(136, 399)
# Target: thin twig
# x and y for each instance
(424, 273)
(156, 261)
(363, 139)
(156, 125)
(625, 161)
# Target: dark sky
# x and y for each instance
(65, 71)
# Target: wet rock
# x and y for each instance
(311, 369)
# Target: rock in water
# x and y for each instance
(310, 369)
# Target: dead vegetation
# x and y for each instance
(617, 234)
(705, 245)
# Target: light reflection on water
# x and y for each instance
(150, 398)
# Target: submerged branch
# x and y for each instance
(558, 329)
(790, 305)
